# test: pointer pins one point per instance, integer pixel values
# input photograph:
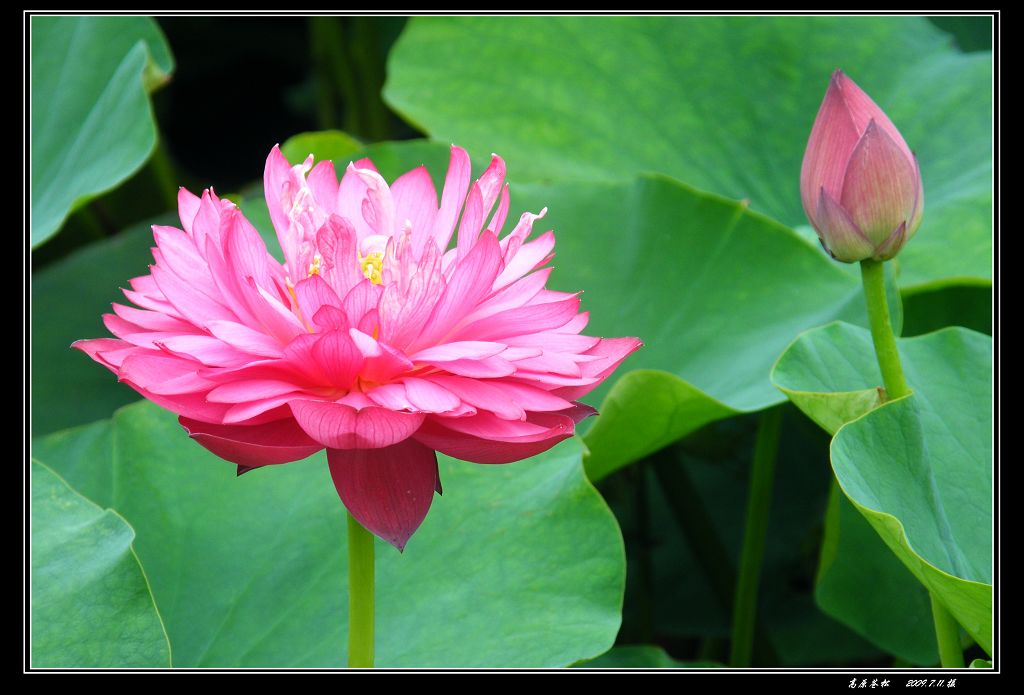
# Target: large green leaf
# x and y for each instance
(516, 565)
(852, 557)
(91, 604)
(724, 103)
(823, 377)
(92, 124)
(919, 469)
(327, 144)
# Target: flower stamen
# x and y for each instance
(373, 267)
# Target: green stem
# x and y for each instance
(744, 615)
(873, 274)
(947, 634)
(360, 595)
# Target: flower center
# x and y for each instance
(373, 266)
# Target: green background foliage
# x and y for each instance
(667, 151)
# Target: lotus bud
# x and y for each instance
(860, 183)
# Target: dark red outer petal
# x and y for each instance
(387, 490)
(251, 446)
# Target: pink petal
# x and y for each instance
(612, 351)
(313, 293)
(252, 446)
(832, 139)
(404, 311)
(188, 207)
(189, 302)
(338, 357)
(153, 302)
(178, 253)
(329, 317)
(245, 252)
(428, 397)
(484, 438)
(489, 368)
(360, 302)
(863, 110)
(152, 320)
(527, 258)
(484, 395)
(387, 490)
(466, 349)
(534, 399)
(880, 187)
(392, 397)
(491, 183)
(276, 319)
(162, 373)
(511, 244)
(235, 292)
(328, 358)
(191, 405)
(378, 207)
(351, 194)
(206, 223)
(522, 320)
(456, 183)
(245, 339)
(915, 218)
(260, 410)
(518, 354)
(96, 348)
(130, 332)
(205, 349)
(250, 390)
(339, 426)
(323, 182)
(144, 369)
(839, 234)
(549, 361)
(511, 296)
(338, 244)
(383, 362)
(470, 284)
(501, 214)
(416, 200)
(891, 246)
(276, 174)
(555, 341)
(472, 221)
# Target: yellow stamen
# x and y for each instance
(373, 267)
(314, 267)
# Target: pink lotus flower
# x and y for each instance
(371, 341)
(860, 183)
